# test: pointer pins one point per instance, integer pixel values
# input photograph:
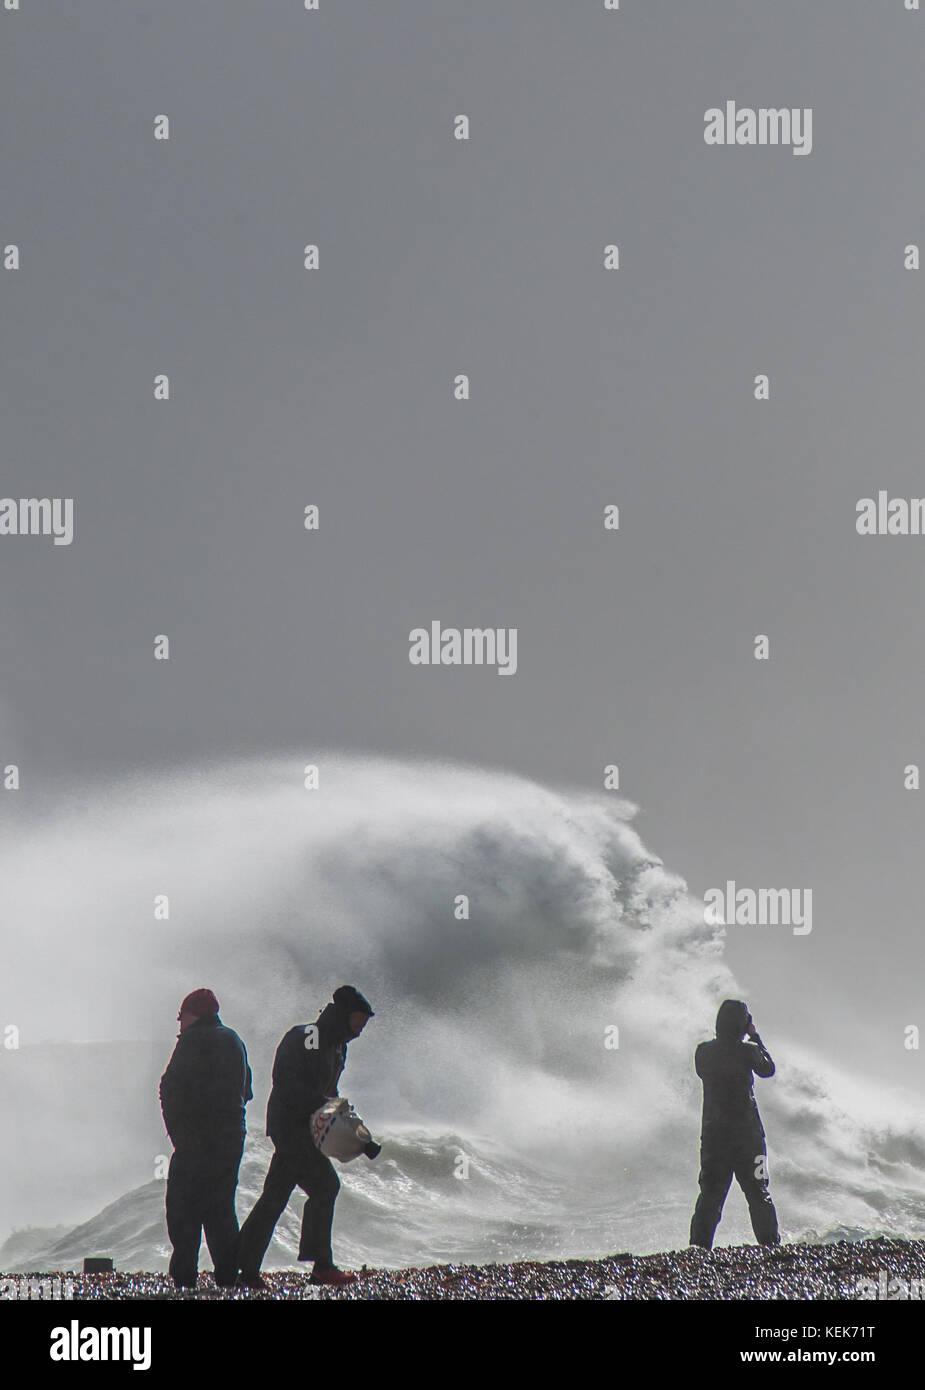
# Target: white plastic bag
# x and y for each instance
(338, 1130)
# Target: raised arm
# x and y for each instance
(762, 1063)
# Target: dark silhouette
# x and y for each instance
(304, 1076)
(203, 1094)
(732, 1139)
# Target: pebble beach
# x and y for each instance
(892, 1269)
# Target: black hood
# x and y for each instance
(349, 998)
(731, 1020)
(334, 1018)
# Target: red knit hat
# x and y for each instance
(201, 1002)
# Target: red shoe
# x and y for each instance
(250, 1281)
(331, 1275)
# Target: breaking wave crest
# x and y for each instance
(488, 1050)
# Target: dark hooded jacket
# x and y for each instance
(206, 1085)
(305, 1076)
(726, 1066)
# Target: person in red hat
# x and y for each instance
(203, 1094)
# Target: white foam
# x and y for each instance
(491, 1029)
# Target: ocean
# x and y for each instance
(539, 978)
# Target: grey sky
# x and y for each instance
(635, 387)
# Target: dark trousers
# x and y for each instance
(719, 1162)
(201, 1183)
(292, 1165)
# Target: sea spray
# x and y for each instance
(493, 1038)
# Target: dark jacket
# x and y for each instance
(206, 1085)
(726, 1066)
(304, 1076)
